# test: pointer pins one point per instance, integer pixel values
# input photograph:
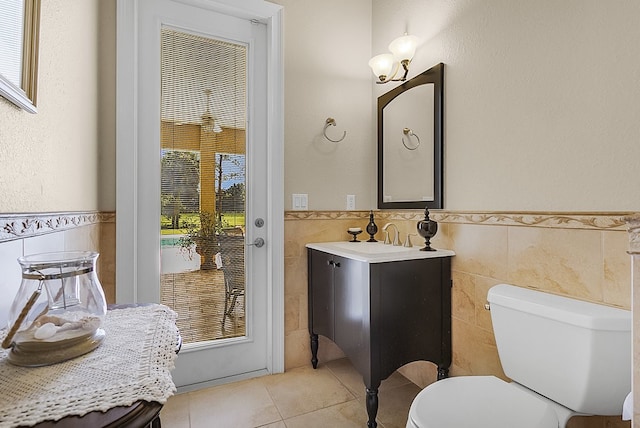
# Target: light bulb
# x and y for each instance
(404, 47)
(383, 66)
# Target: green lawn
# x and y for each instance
(228, 220)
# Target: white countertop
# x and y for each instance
(377, 252)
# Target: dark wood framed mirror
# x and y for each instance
(410, 143)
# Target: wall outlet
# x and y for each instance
(300, 201)
(351, 202)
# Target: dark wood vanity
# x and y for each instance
(382, 311)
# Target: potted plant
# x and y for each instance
(203, 239)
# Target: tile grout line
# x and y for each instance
(341, 383)
(354, 398)
(273, 401)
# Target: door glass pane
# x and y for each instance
(203, 204)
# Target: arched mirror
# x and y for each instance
(410, 143)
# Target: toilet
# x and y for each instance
(565, 357)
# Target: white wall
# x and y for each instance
(327, 47)
(541, 99)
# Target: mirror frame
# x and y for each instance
(25, 96)
(434, 75)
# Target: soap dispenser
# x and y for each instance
(372, 229)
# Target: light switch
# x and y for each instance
(300, 201)
(351, 202)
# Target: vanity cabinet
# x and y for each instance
(381, 314)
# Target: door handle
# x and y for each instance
(258, 242)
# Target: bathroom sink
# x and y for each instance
(377, 252)
(372, 247)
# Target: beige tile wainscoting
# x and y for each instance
(582, 255)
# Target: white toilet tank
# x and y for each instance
(575, 353)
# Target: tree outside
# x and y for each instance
(180, 183)
(180, 190)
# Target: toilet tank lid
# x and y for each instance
(562, 309)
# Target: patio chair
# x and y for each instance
(232, 254)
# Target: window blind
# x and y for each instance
(11, 42)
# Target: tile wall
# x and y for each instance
(578, 255)
(23, 234)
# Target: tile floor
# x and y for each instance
(331, 396)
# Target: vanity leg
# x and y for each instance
(372, 407)
(314, 350)
(443, 372)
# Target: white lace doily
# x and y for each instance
(133, 363)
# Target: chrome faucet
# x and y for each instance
(396, 238)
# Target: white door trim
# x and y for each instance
(127, 157)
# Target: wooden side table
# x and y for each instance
(142, 414)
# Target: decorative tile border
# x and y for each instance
(561, 220)
(20, 226)
(633, 227)
(602, 221)
(326, 215)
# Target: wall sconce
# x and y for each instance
(386, 66)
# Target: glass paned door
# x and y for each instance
(193, 178)
(203, 181)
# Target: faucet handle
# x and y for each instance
(408, 243)
(386, 237)
(397, 242)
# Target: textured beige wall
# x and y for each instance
(540, 104)
(61, 159)
(540, 99)
(326, 50)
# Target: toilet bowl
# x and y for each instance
(483, 402)
(565, 357)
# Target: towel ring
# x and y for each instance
(331, 121)
(406, 132)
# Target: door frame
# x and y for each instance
(127, 149)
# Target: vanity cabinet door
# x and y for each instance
(320, 285)
(411, 315)
(351, 305)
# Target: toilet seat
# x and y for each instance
(479, 402)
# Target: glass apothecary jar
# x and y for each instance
(58, 311)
